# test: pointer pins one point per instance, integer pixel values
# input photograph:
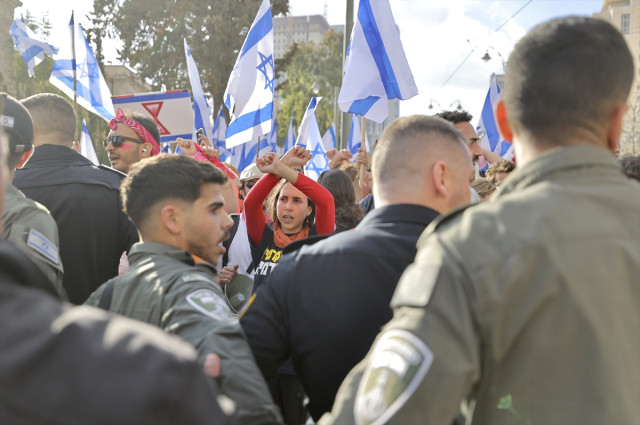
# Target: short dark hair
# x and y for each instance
(165, 177)
(147, 122)
(566, 74)
(407, 143)
(630, 166)
(455, 117)
(52, 114)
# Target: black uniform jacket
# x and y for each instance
(325, 303)
(85, 202)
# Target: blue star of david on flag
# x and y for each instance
(267, 61)
(319, 161)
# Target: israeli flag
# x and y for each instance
(86, 147)
(376, 68)
(272, 138)
(245, 154)
(355, 137)
(219, 139)
(91, 88)
(307, 121)
(310, 137)
(202, 112)
(249, 93)
(329, 138)
(488, 125)
(291, 136)
(166, 148)
(27, 44)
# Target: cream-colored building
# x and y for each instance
(121, 79)
(625, 15)
(297, 29)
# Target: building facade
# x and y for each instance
(297, 29)
(625, 15)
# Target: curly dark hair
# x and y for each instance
(147, 122)
(630, 166)
(271, 205)
(455, 116)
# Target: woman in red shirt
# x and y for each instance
(299, 207)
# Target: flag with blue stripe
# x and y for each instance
(355, 137)
(488, 127)
(86, 146)
(376, 68)
(329, 138)
(202, 112)
(166, 148)
(305, 125)
(91, 87)
(291, 136)
(272, 138)
(245, 154)
(310, 137)
(249, 93)
(219, 139)
(27, 44)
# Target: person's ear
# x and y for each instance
(503, 124)
(439, 176)
(614, 127)
(171, 218)
(146, 150)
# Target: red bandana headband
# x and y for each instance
(137, 128)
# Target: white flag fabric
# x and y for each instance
(355, 137)
(249, 93)
(91, 88)
(376, 68)
(245, 154)
(488, 125)
(309, 137)
(202, 112)
(86, 147)
(28, 45)
(291, 136)
(307, 120)
(329, 138)
(219, 140)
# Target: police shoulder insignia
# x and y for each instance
(208, 302)
(397, 365)
(43, 246)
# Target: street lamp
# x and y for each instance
(487, 57)
(431, 102)
(459, 106)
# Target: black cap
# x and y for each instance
(15, 119)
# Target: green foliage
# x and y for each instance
(303, 65)
(152, 33)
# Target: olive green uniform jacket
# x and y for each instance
(165, 288)
(528, 305)
(31, 228)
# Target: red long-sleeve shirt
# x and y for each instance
(325, 209)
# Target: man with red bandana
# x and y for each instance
(133, 136)
(83, 199)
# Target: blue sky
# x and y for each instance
(437, 35)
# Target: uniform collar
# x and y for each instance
(142, 250)
(395, 213)
(559, 160)
(48, 153)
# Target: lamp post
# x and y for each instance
(431, 102)
(458, 107)
(487, 57)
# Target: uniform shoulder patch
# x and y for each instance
(415, 286)
(399, 362)
(43, 246)
(113, 170)
(211, 304)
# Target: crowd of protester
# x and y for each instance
(401, 287)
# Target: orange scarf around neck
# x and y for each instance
(281, 239)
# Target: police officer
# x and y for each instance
(177, 205)
(82, 198)
(27, 223)
(527, 304)
(64, 365)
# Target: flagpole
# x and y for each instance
(73, 51)
(363, 135)
(258, 150)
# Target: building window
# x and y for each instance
(624, 23)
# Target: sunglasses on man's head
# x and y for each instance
(249, 184)
(117, 141)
